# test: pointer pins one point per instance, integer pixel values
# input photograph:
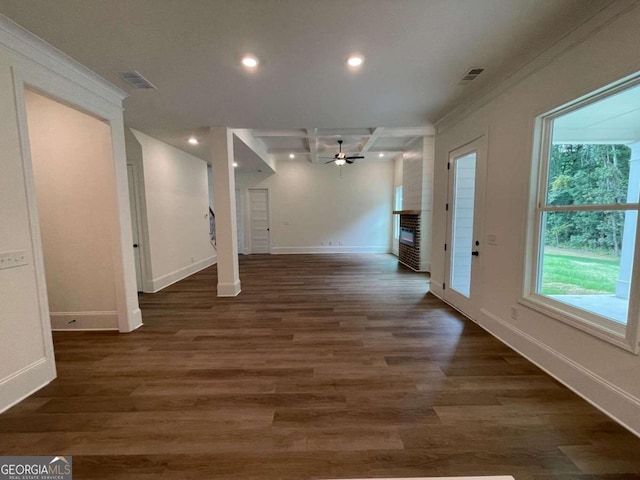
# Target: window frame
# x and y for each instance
(623, 336)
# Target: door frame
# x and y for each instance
(60, 90)
(251, 249)
(471, 305)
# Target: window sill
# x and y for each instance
(599, 327)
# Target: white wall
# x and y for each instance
(604, 374)
(313, 210)
(176, 201)
(71, 155)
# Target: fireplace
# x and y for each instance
(408, 236)
(409, 242)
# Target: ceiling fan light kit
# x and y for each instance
(341, 158)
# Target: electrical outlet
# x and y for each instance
(330, 243)
(514, 312)
(192, 260)
(322, 243)
(13, 259)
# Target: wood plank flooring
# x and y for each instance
(324, 367)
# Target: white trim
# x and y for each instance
(26, 381)
(25, 43)
(614, 402)
(596, 207)
(329, 249)
(164, 281)
(596, 325)
(34, 221)
(582, 32)
(60, 321)
(229, 289)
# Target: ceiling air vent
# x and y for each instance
(136, 80)
(470, 76)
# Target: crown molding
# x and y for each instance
(21, 41)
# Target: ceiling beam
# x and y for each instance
(312, 144)
(280, 133)
(409, 132)
(372, 139)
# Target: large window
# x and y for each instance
(396, 218)
(586, 215)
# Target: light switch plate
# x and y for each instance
(13, 259)
(492, 239)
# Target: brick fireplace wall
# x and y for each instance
(410, 255)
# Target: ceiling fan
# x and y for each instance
(341, 158)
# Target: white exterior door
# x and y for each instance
(259, 220)
(464, 227)
(133, 205)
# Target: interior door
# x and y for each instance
(133, 205)
(467, 166)
(239, 222)
(259, 220)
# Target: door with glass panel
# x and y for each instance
(464, 248)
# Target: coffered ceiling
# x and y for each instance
(302, 96)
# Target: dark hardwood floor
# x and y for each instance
(324, 367)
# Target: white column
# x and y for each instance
(630, 222)
(224, 196)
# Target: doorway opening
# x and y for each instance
(72, 161)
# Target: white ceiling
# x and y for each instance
(416, 51)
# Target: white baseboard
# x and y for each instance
(164, 281)
(614, 402)
(135, 321)
(84, 321)
(229, 289)
(329, 249)
(19, 385)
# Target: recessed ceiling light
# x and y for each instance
(250, 61)
(235, 164)
(355, 60)
(291, 155)
(193, 141)
(381, 155)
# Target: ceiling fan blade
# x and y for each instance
(330, 161)
(354, 157)
(348, 161)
